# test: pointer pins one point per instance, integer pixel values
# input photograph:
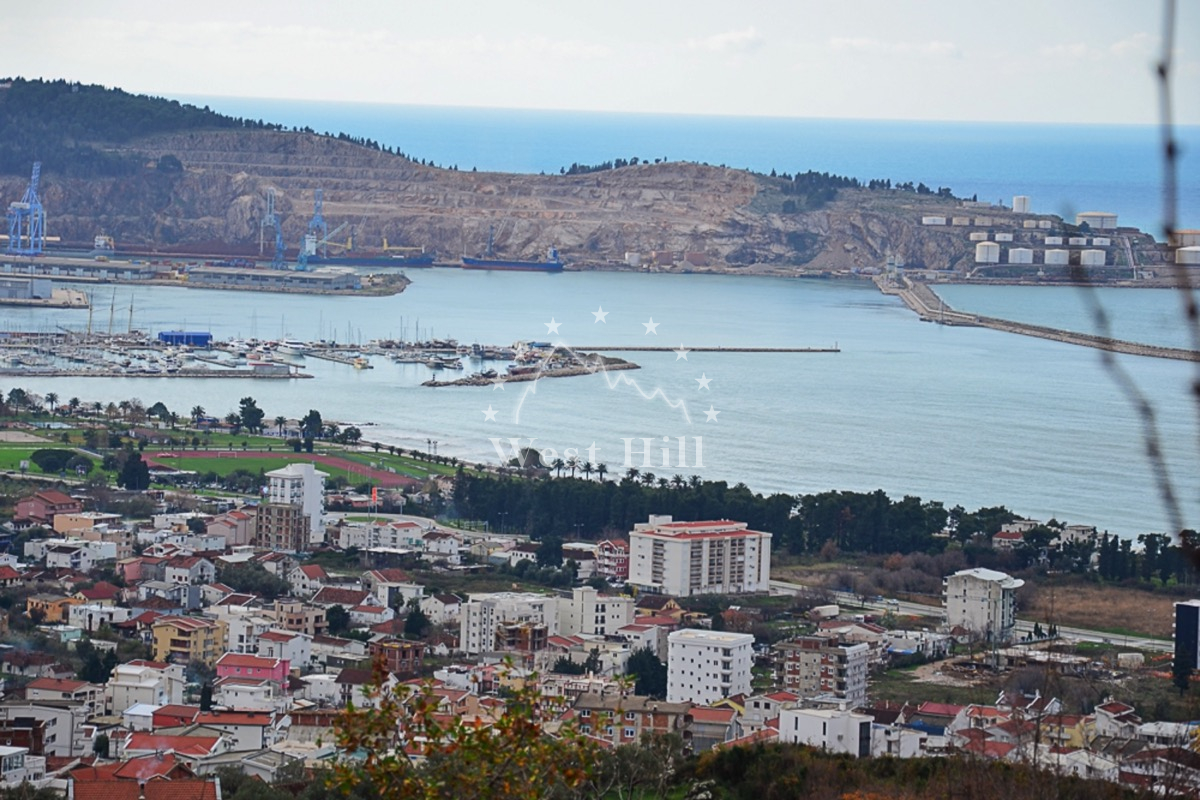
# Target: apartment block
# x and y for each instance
(690, 558)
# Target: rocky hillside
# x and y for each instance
(736, 219)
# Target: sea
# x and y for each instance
(969, 417)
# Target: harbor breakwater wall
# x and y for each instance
(929, 306)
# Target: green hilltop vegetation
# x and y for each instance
(62, 123)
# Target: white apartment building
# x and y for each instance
(395, 535)
(144, 682)
(705, 666)
(983, 601)
(301, 487)
(688, 558)
(590, 613)
(834, 731)
(507, 620)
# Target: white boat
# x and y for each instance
(292, 347)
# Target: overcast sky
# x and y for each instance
(1020, 60)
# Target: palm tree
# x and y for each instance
(694, 481)
(52, 400)
(557, 465)
(631, 474)
(663, 483)
(601, 470)
(647, 478)
(111, 410)
(280, 421)
(573, 464)
(677, 481)
(197, 413)
(587, 469)
(124, 407)
(97, 407)
(73, 404)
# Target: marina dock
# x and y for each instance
(931, 308)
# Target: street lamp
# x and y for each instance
(503, 519)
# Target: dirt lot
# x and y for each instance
(1104, 608)
(20, 437)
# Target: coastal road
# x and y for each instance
(1023, 626)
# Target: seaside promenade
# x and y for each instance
(930, 307)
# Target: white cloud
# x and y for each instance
(740, 41)
(859, 44)
(1140, 43)
(1069, 50)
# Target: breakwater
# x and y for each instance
(930, 307)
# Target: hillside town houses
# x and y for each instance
(250, 678)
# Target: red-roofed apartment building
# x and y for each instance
(237, 665)
(41, 508)
(612, 559)
(689, 558)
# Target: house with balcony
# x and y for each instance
(183, 640)
(237, 665)
(190, 570)
(40, 508)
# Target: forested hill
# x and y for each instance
(65, 123)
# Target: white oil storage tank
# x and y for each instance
(1004, 237)
(1058, 257)
(1091, 258)
(1020, 255)
(1054, 240)
(977, 236)
(1044, 224)
(933, 220)
(987, 253)
(1101, 241)
(1097, 220)
(1188, 255)
(1077, 241)
(1021, 204)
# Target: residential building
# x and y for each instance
(442, 609)
(399, 657)
(307, 579)
(18, 767)
(237, 665)
(502, 621)
(589, 612)
(186, 639)
(397, 535)
(690, 558)
(90, 616)
(42, 506)
(249, 730)
(294, 615)
(74, 523)
(835, 731)
(982, 601)
(64, 689)
(235, 527)
(50, 609)
(193, 570)
(290, 646)
(292, 518)
(392, 587)
(1187, 635)
(612, 560)
(144, 682)
(442, 546)
(64, 724)
(816, 666)
(706, 666)
(622, 719)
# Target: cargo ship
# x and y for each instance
(552, 263)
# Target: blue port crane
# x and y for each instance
(271, 220)
(27, 220)
(317, 226)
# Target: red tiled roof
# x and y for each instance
(939, 709)
(141, 662)
(184, 745)
(314, 571)
(7, 573)
(278, 636)
(783, 697)
(247, 661)
(217, 718)
(57, 685)
(185, 623)
(706, 714)
(389, 575)
(179, 789)
(54, 496)
(347, 598)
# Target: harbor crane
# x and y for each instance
(27, 220)
(317, 226)
(310, 245)
(271, 220)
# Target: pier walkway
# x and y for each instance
(931, 308)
